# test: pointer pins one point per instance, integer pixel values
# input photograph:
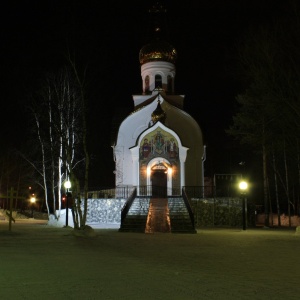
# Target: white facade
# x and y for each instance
(145, 148)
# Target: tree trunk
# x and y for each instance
(298, 164)
(276, 191)
(84, 144)
(287, 185)
(265, 180)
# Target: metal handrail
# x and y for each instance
(188, 206)
(127, 205)
(123, 192)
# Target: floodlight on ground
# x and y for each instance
(243, 185)
(32, 201)
(67, 185)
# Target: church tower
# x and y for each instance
(159, 146)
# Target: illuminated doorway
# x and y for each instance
(159, 183)
(159, 175)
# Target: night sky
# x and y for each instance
(106, 36)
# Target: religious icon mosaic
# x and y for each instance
(159, 143)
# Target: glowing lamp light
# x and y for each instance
(67, 184)
(243, 185)
(148, 171)
(170, 171)
(32, 199)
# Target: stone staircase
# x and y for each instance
(179, 216)
(158, 216)
(136, 217)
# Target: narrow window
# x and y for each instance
(147, 84)
(158, 81)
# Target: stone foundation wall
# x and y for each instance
(99, 212)
(104, 211)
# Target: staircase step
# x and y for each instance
(179, 216)
(158, 217)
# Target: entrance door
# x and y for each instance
(159, 184)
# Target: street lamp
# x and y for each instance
(67, 186)
(243, 185)
(32, 201)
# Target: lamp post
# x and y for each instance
(67, 186)
(32, 201)
(243, 185)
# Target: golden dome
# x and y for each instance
(157, 51)
(158, 114)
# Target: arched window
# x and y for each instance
(170, 84)
(158, 81)
(147, 84)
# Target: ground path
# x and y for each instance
(43, 262)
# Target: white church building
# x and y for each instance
(159, 157)
(159, 149)
(159, 146)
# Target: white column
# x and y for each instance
(182, 157)
(169, 181)
(135, 166)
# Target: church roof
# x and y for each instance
(158, 50)
(151, 99)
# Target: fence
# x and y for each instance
(221, 212)
(207, 211)
(125, 192)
